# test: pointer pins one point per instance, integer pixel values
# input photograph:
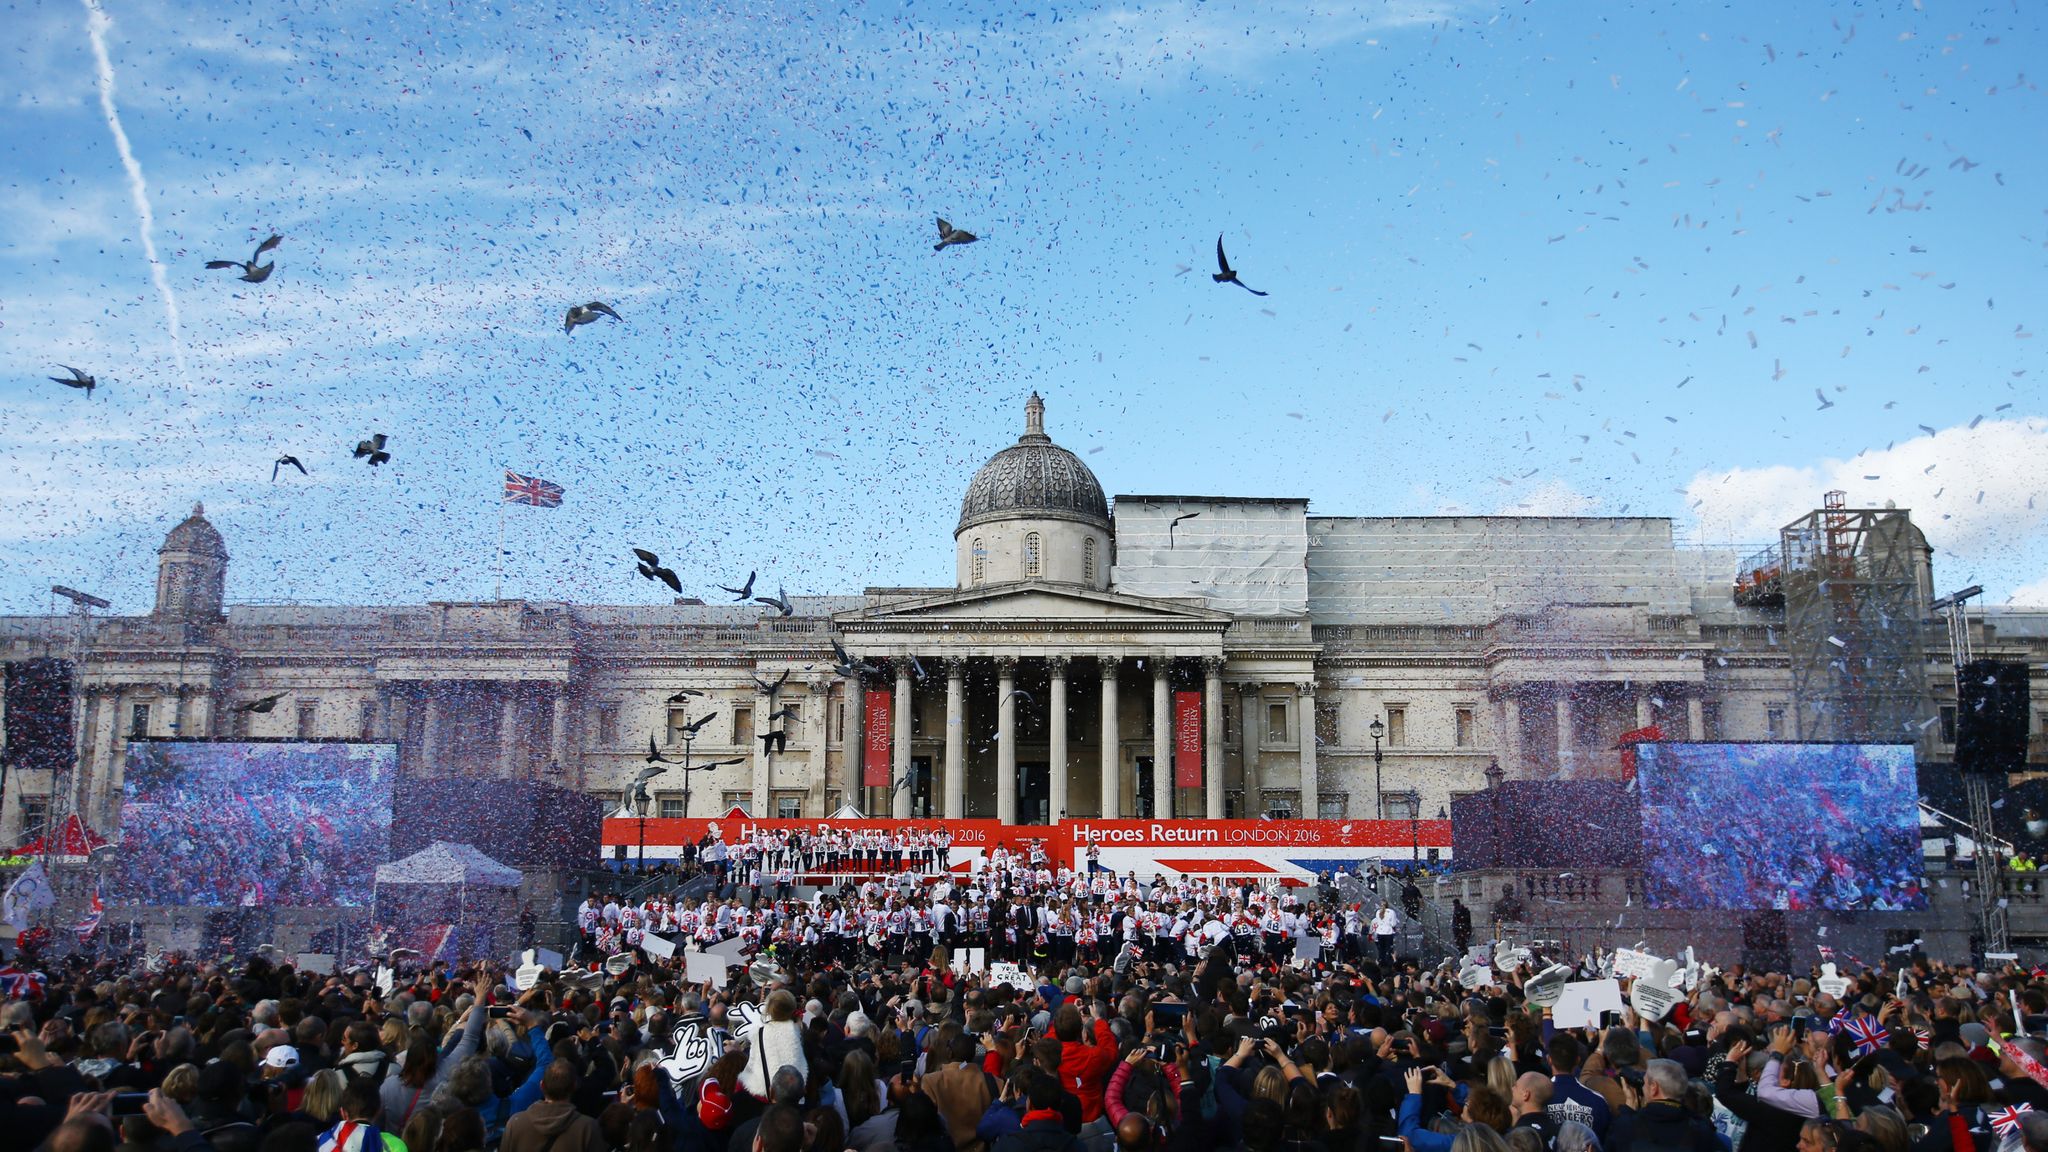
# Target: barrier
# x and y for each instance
(1285, 851)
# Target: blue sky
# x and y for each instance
(1522, 257)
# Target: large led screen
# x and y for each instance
(1788, 826)
(254, 824)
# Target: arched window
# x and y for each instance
(977, 563)
(1088, 561)
(1031, 565)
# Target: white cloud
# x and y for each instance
(1143, 41)
(2033, 595)
(1550, 498)
(1980, 494)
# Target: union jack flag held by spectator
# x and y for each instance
(531, 490)
(1867, 1034)
(16, 984)
(90, 922)
(2006, 1121)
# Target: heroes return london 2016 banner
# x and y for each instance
(1291, 851)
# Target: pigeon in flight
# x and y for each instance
(1825, 403)
(772, 742)
(770, 690)
(253, 272)
(697, 725)
(650, 567)
(1175, 522)
(284, 460)
(1028, 697)
(784, 714)
(373, 450)
(743, 592)
(780, 603)
(262, 706)
(582, 314)
(654, 756)
(1225, 274)
(949, 235)
(77, 379)
(850, 668)
(683, 694)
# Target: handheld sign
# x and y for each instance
(1544, 988)
(1583, 1001)
(1652, 996)
(1831, 983)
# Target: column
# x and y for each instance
(1644, 716)
(757, 788)
(1056, 737)
(508, 731)
(956, 739)
(1251, 719)
(817, 729)
(1212, 735)
(558, 728)
(900, 806)
(1563, 704)
(1305, 735)
(180, 695)
(1511, 736)
(202, 712)
(1695, 718)
(430, 730)
(92, 801)
(1112, 755)
(1162, 741)
(856, 750)
(1006, 739)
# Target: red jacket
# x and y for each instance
(1085, 1069)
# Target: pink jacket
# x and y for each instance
(1113, 1096)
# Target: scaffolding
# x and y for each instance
(1857, 605)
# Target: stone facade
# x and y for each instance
(1525, 644)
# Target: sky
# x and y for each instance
(1685, 260)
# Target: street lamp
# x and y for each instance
(657, 764)
(1376, 730)
(1415, 823)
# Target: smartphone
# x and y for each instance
(1390, 1144)
(1163, 1051)
(1799, 1027)
(1496, 1031)
(500, 1011)
(1169, 1015)
(129, 1103)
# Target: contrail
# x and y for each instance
(96, 24)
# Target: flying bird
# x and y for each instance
(784, 714)
(654, 755)
(262, 706)
(651, 568)
(917, 667)
(850, 668)
(744, 591)
(253, 272)
(949, 235)
(780, 603)
(1028, 697)
(770, 690)
(373, 449)
(1225, 274)
(683, 694)
(1825, 403)
(582, 314)
(77, 379)
(697, 725)
(1175, 522)
(776, 741)
(284, 460)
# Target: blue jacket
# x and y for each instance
(999, 1121)
(528, 1094)
(1419, 1138)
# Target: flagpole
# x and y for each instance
(498, 588)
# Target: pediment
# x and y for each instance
(1033, 601)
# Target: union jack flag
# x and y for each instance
(90, 922)
(16, 984)
(2006, 1121)
(1867, 1034)
(531, 490)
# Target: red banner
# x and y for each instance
(1187, 739)
(880, 750)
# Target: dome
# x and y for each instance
(195, 534)
(1034, 479)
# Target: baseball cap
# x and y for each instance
(284, 1057)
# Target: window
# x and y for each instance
(836, 711)
(1281, 805)
(833, 800)
(1774, 723)
(743, 725)
(138, 722)
(1468, 727)
(1088, 560)
(1330, 807)
(607, 725)
(1233, 804)
(678, 724)
(1397, 725)
(727, 801)
(35, 813)
(1031, 544)
(795, 719)
(309, 719)
(1948, 724)
(1396, 807)
(977, 562)
(671, 809)
(1326, 723)
(1276, 723)
(789, 807)
(366, 724)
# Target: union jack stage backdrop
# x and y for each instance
(531, 490)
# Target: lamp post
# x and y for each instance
(1415, 823)
(1376, 730)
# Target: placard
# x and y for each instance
(968, 960)
(658, 946)
(1011, 974)
(545, 957)
(1652, 995)
(703, 968)
(1544, 988)
(618, 963)
(1583, 1001)
(1475, 976)
(1831, 983)
(1630, 964)
(526, 976)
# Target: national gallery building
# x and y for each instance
(1143, 655)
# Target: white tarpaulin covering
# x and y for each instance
(444, 862)
(1243, 556)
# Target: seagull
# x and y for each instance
(582, 314)
(743, 592)
(650, 567)
(373, 448)
(1171, 524)
(949, 235)
(263, 705)
(284, 460)
(1825, 403)
(1228, 275)
(253, 272)
(77, 379)
(780, 603)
